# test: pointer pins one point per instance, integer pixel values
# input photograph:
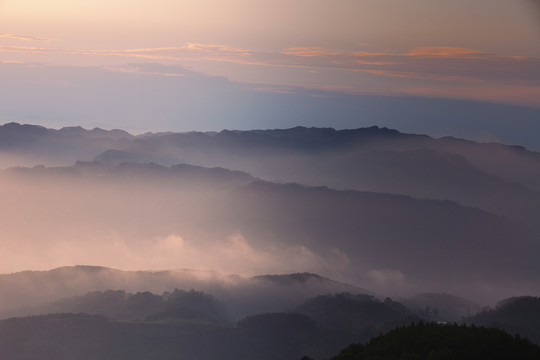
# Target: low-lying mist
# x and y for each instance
(59, 217)
(150, 217)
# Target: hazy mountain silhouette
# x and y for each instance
(441, 307)
(382, 242)
(30, 145)
(86, 289)
(177, 305)
(516, 315)
(438, 214)
(497, 178)
(420, 239)
(306, 278)
(501, 179)
(229, 149)
(382, 212)
(423, 173)
(361, 314)
(256, 151)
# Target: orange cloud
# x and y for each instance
(437, 64)
(390, 73)
(442, 51)
(417, 75)
(310, 51)
(211, 48)
(373, 62)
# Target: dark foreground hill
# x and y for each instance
(84, 337)
(268, 336)
(194, 325)
(445, 342)
(359, 314)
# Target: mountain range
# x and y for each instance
(387, 211)
(224, 233)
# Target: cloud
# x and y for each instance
(388, 281)
(438, 70)
(27, 38)
(310, 51)
(444, 51)
(143, 70)
(11, 62)
(433, 63)
(236, 255)
(190, 51)
(211, 48)
(387, 277)
(232, 255)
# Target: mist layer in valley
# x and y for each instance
(394, 214)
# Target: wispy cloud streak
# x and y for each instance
(442, 66)
(436, 63)
(27, 38)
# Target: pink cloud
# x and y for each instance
(310, 51)
(443, 66)
(27, 38)
(436, 63)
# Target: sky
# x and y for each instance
(473, 50)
